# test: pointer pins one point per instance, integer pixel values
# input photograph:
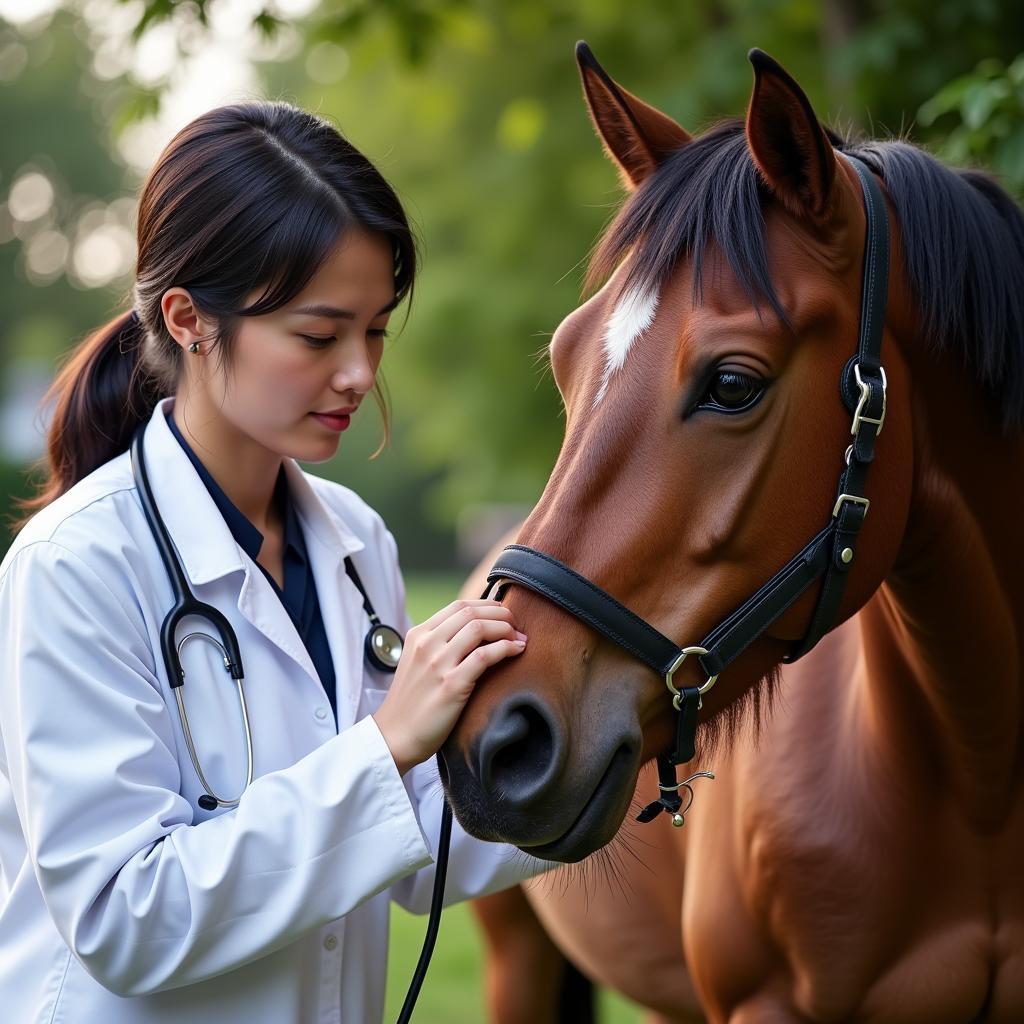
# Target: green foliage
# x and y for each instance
(454, 990)
(473, 110)
(14, 483)
(987, 108)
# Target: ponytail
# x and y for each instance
(101, 394)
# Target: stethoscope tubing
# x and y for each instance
(179, 696)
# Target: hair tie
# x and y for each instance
(134, 317)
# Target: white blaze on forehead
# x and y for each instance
(633, 314)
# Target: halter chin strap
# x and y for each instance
(829, 554)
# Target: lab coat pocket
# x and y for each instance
(371, 699)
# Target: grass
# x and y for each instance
(453, 990)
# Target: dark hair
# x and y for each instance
(257, 193)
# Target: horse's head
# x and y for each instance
(705, 433)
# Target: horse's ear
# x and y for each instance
(635, 135)
(789, 145)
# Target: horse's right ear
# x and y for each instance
(636, 136)
(792, 150)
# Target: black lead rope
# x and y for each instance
(434, 921)
(436, 899)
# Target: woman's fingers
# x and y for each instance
(455, 623)
(454, 608)
(466, 673)
(473, 634)
(442, 660)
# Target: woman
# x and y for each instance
(271, 255)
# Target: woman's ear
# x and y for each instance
(636, 136)
(182, 318)
(789, 146)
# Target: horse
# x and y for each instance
(857, 855)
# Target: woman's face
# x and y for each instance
(290, 364)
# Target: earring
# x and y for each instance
(194, 347)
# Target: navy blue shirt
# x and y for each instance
(299, 594)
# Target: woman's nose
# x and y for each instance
(356, 371)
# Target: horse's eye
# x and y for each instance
(731, 391)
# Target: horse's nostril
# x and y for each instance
(519, 751)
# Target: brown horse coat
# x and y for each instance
(858, 857)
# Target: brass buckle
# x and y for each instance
(856, 499)
(865, 394)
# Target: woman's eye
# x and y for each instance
(731, 391)
(317, 342)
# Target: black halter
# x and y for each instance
(862, 387)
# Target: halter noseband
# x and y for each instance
(830, 553)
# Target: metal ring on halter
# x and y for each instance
(674, 667)
(188, 732)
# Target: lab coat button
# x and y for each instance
(321, 713)
(331, 942)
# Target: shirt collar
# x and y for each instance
(249, 538)
(207, 546)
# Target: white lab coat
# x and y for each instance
(120, 900)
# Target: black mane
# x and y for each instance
(963, 243)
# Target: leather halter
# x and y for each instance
(829, 554)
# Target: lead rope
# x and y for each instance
(434, 921)
(436, 897)
(687, 703)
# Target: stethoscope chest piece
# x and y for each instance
(383, 644)
(383, 647)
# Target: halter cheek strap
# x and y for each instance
(827, 556)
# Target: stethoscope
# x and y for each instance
(382, 646)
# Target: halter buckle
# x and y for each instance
(855, 499)
(675, 666)
(865, 395)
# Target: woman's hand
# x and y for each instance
(441, 661)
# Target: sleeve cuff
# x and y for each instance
(394, 797)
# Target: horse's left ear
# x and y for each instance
(636, 135)
(788, 144)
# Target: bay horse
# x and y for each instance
(858, 855)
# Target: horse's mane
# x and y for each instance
(963, 244)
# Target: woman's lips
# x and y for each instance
(332, 422)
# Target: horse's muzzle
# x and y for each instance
(518, 782)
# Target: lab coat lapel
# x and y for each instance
(263, 609)
(208, 551)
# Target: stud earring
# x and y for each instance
(194, 347)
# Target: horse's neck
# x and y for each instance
(944, 635)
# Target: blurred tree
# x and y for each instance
(65, 226)
(473, 110)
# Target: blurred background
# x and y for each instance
(473, 110)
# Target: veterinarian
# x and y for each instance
(206, 821)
